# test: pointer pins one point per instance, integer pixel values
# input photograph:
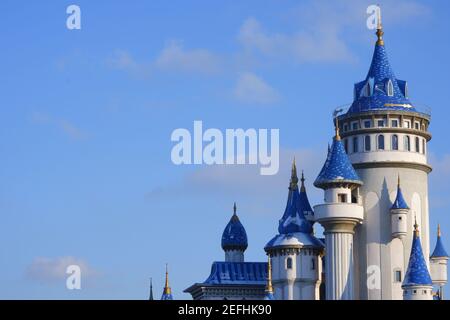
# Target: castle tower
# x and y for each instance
(234, 239)
(339, 216)
(385, 135)
(295, 253)
(167, 292)
(417, 284)
(399, 214)
(438, 265)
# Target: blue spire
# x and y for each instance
(381, 89)
(439, 250)
(293, 219)
(399, 202)
(337, 167)
(167, 292)
(234, 236)
(417, 272)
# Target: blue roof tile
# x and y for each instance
(238, 273)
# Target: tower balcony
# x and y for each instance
(339, 212)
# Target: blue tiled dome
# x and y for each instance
(234, 236)
(417, 272)
(337, 168)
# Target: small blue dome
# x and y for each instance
(234, 236)
(417, 272)
(337, 168)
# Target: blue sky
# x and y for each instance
(86, 119)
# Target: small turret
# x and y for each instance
(438, 265)
(167, 292)
(399, 213)
(417, 284)
(234, 239)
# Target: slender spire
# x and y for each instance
(302, 188)
(167, 289)
(398, 180)
(439, 230)
(294, 178)
(337, 136)
(234, 208)
(151, 289)
(416, 227)
(379, 32)
(269, 288)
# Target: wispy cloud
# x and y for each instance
(52, 270)
(174, 57)
(252, 89)
(64, 125)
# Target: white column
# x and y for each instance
(339, 265)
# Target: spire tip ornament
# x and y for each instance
(379, 32)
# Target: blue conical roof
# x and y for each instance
(417, 272)
(399, 202)
(381, 89)
(293, 219)
(337, 167)
(234, 235)
(439, 250)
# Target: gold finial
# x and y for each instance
(439, 231)
(379, 32)
(302, 188)
(294, 178)
(167, 289)
(269, 288)
(416, 227)
(398, 180)
(337, 137)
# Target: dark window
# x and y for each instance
(367, 124)
(394, 142)
(342, 198)
(289, 263)
(381, 123)
(423, 146)
(355, 126)
(398, 276)
(355, 144)
(367, 146)
(345, 127)
(394, 123)
(417, 144)
(407, 143)
(381, 142)
(417, 126)
(313, 264)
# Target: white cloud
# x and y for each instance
(62, 124)
(254, 90)
(174, 57)
(51, 270)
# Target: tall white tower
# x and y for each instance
(295, 252)
(386, 135)
(339, 216)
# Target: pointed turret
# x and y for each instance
(269, 289)
(234, 239)
(438, 265)
(151, 290)
(417, 284)
(167, 292)
(399, 214)
(380, 90)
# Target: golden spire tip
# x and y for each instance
(439, 230)
(379, 32)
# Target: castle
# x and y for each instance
(375, 212)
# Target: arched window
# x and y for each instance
(367, 146)
(395, 142)
(417, 144)
(380, 142)
(424, 144)
(407, 143)
(289, 263)
(355, 144)
(390, 88)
